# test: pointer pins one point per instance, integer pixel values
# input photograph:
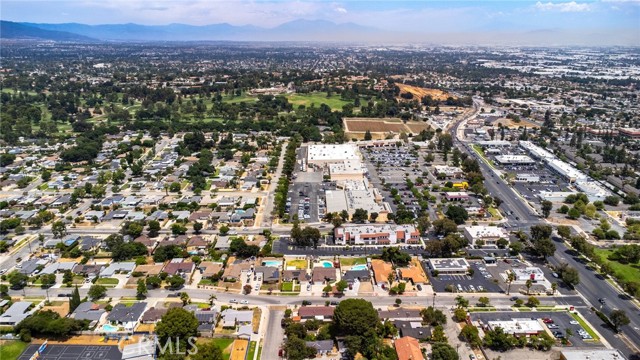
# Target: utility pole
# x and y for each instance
(433, 305)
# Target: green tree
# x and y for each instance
(433, 316)
(533, 301)
(471, 335)
(483, 300)
(564, 231)
(154, 228)
(207, 351)
(354, 317)
(297, 349)
(59, 229)
(457, 214)
(570, 276)
(17, 280)
(443, 351)
(141, 291)
(97, 291)
(460, 314)
(462, 302)
(619, 318)
(47, 280)
(367, 136)
(197, 227)
(547, 206)
(75, 299)
(177, 326)
(341, 285)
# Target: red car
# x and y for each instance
(547, 321)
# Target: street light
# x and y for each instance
(434, 300)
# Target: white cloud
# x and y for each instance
(341, 10)
(563, 6)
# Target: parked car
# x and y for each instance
(244, 302)
(233, 301)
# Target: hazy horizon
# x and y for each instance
(596, 22)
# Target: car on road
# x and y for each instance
(64, 295)
(2, 271)
(574, 322)
(244, 302)
(602, 301)
(555, 275)
(233, 301)
(472, 357)
(513, 298)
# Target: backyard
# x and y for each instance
(298, 264)
(351, 261)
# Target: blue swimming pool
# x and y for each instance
(327, 264)
(274, 263)
(109, 328)
(359, 267)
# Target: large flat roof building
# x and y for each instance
(514, 160)
(591, 354)
(524, 326)
(376, 234)
(333, 153)
(489, 234)
(449, 266)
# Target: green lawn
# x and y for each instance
(317, 98)
(287, 286)
(223, 344)
(252, 350)
(11, 350)
(626, 272)
(237, 99)
(495, 213)
(585, 326)
(352, 261)
(107, 281)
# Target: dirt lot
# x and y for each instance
(511, 124)
(419, 92)
(379, 128)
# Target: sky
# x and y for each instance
(407, 16)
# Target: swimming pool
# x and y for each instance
(327, 264)
(359, 267)
(274, 263)
(109, 328)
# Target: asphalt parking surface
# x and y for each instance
(467, 283)
(74, 352)
(561, 319)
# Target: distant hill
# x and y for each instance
(13, 30)
(298, 30)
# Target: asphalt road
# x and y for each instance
(592, 286)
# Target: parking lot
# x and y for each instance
(479, 282)
(303, 200)
(73, 352)
(554, 321)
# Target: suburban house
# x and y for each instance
(316, 312)
(322, 274)
(16, 313)
(297, 275)
(89, 311)
(153, 315)
(408, 348)
(323, 347)
(179, 267)
(381, 271)
(350, 276)
(127, 316)
(231, 318)
(270, 274)
(400, 314)
(415, 329)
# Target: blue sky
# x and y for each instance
(410, 16)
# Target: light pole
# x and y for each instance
(433, 305)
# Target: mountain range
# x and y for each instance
(297, 30)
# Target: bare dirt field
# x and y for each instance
(418, 92)
(511, 124)
(379, 128)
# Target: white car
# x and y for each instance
(574, 322)
(233, 301)
(244, 302)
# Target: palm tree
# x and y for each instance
(528, 284)
(554, 287)
(212, 298)
(510, 278)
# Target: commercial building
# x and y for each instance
(449, 266)
(376, 234)
(514, 160)
(528, 273)
(630, 133)
(591, 354)
(448, 171)
(488, 234)
(494, 143)
(357, 194)
(518, 327)
(325, 154)
(590, 187)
